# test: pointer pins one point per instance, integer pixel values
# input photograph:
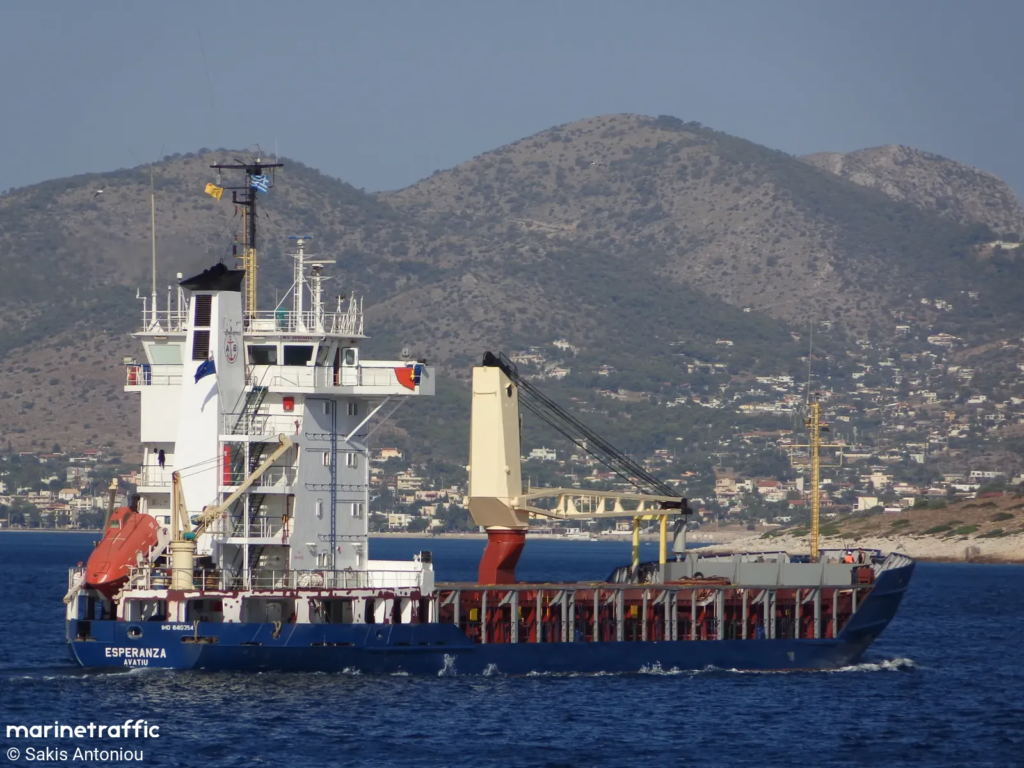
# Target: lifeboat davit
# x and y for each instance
(128, 534)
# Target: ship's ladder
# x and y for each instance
(253, 400)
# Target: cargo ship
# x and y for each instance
(246, 546)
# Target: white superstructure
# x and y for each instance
(218, 384)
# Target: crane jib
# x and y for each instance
(583, 436)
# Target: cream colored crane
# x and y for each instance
(497, 501)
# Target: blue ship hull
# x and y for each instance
(432, 649)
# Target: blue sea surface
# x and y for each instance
(943, 686)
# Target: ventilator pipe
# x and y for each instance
(183, 554)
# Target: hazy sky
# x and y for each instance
(383, 93)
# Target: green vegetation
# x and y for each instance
(995, 533)
(902, 523)
(938, 529)
(829, 530)
(1001, 516)
(965, 530)
(623, 266)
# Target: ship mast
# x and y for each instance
(815, 426)
(245, 197)
(813, 423)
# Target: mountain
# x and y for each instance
(932, 182)
(645, 243)
(696, 207)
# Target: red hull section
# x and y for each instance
(128, 533)
(498, 565)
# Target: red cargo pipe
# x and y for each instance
(227, 465)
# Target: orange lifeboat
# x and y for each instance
(128, 534)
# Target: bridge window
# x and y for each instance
(297, 354)
(165, 354)
(262, 354)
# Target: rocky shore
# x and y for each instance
(1008, 549)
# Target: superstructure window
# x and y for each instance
(165, 354)
(262, 354)
(297, 354)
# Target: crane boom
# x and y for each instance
(214, 511)
(497, 501)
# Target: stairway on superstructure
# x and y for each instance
(240, 469)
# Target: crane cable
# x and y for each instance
(581, 435)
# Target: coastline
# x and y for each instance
(1007, 549)
(51, 530)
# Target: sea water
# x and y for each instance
(943, 686)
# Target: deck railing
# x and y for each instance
(260, 527)
(533, 613)
(260, 424)
(219, 580)
(164, 320)
(326, 376)
(274, 477)
(155, 476)
(147, 374)
(347, 322)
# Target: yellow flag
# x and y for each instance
(214, 191)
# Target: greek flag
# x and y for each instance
(262, 183)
